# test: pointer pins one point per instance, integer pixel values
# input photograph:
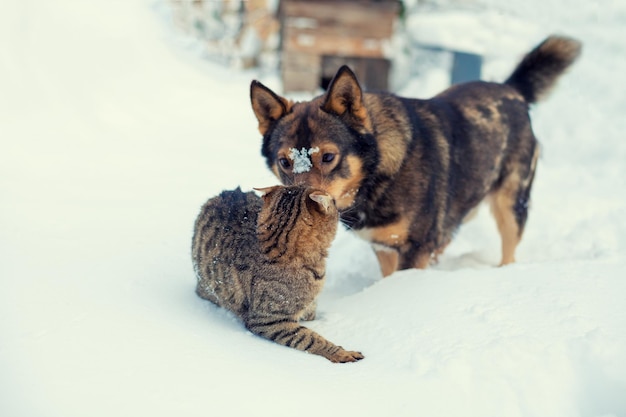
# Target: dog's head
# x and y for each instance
(326, 143)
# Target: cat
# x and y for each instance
(264, 259)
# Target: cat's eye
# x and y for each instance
(284, 163)
(328, 157)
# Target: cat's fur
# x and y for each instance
(265, 260)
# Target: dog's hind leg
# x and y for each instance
(502, 203)
(424, 259)
(509, 205)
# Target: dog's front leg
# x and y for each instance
(388, 259)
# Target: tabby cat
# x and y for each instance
(265, 260)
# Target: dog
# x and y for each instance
(405, 173)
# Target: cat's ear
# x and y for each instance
(265, 191)
(324, 201)
(267, 105)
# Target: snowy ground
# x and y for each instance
(113, 136)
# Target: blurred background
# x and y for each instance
(385, 42)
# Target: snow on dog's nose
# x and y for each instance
(302, 159)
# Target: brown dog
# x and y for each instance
(405, 172)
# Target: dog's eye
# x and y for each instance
(284, 162)
(328, 157)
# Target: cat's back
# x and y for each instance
(225, 230)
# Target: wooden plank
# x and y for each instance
(301, 72)
(301, 61)
(330, 7)
(376, 28)
(300, 80)
(323, 44)
(374, 19)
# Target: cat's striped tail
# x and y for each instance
(288, 332)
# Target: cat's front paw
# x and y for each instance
(343, 356)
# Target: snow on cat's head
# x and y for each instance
(301, 159)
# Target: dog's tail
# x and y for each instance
(541, 67)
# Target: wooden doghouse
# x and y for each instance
(318, 36)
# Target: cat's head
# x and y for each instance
(297, 218)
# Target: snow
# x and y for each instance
(113, 135)
(302, 159)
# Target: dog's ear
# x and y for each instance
(345, 97)
(267, 105)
